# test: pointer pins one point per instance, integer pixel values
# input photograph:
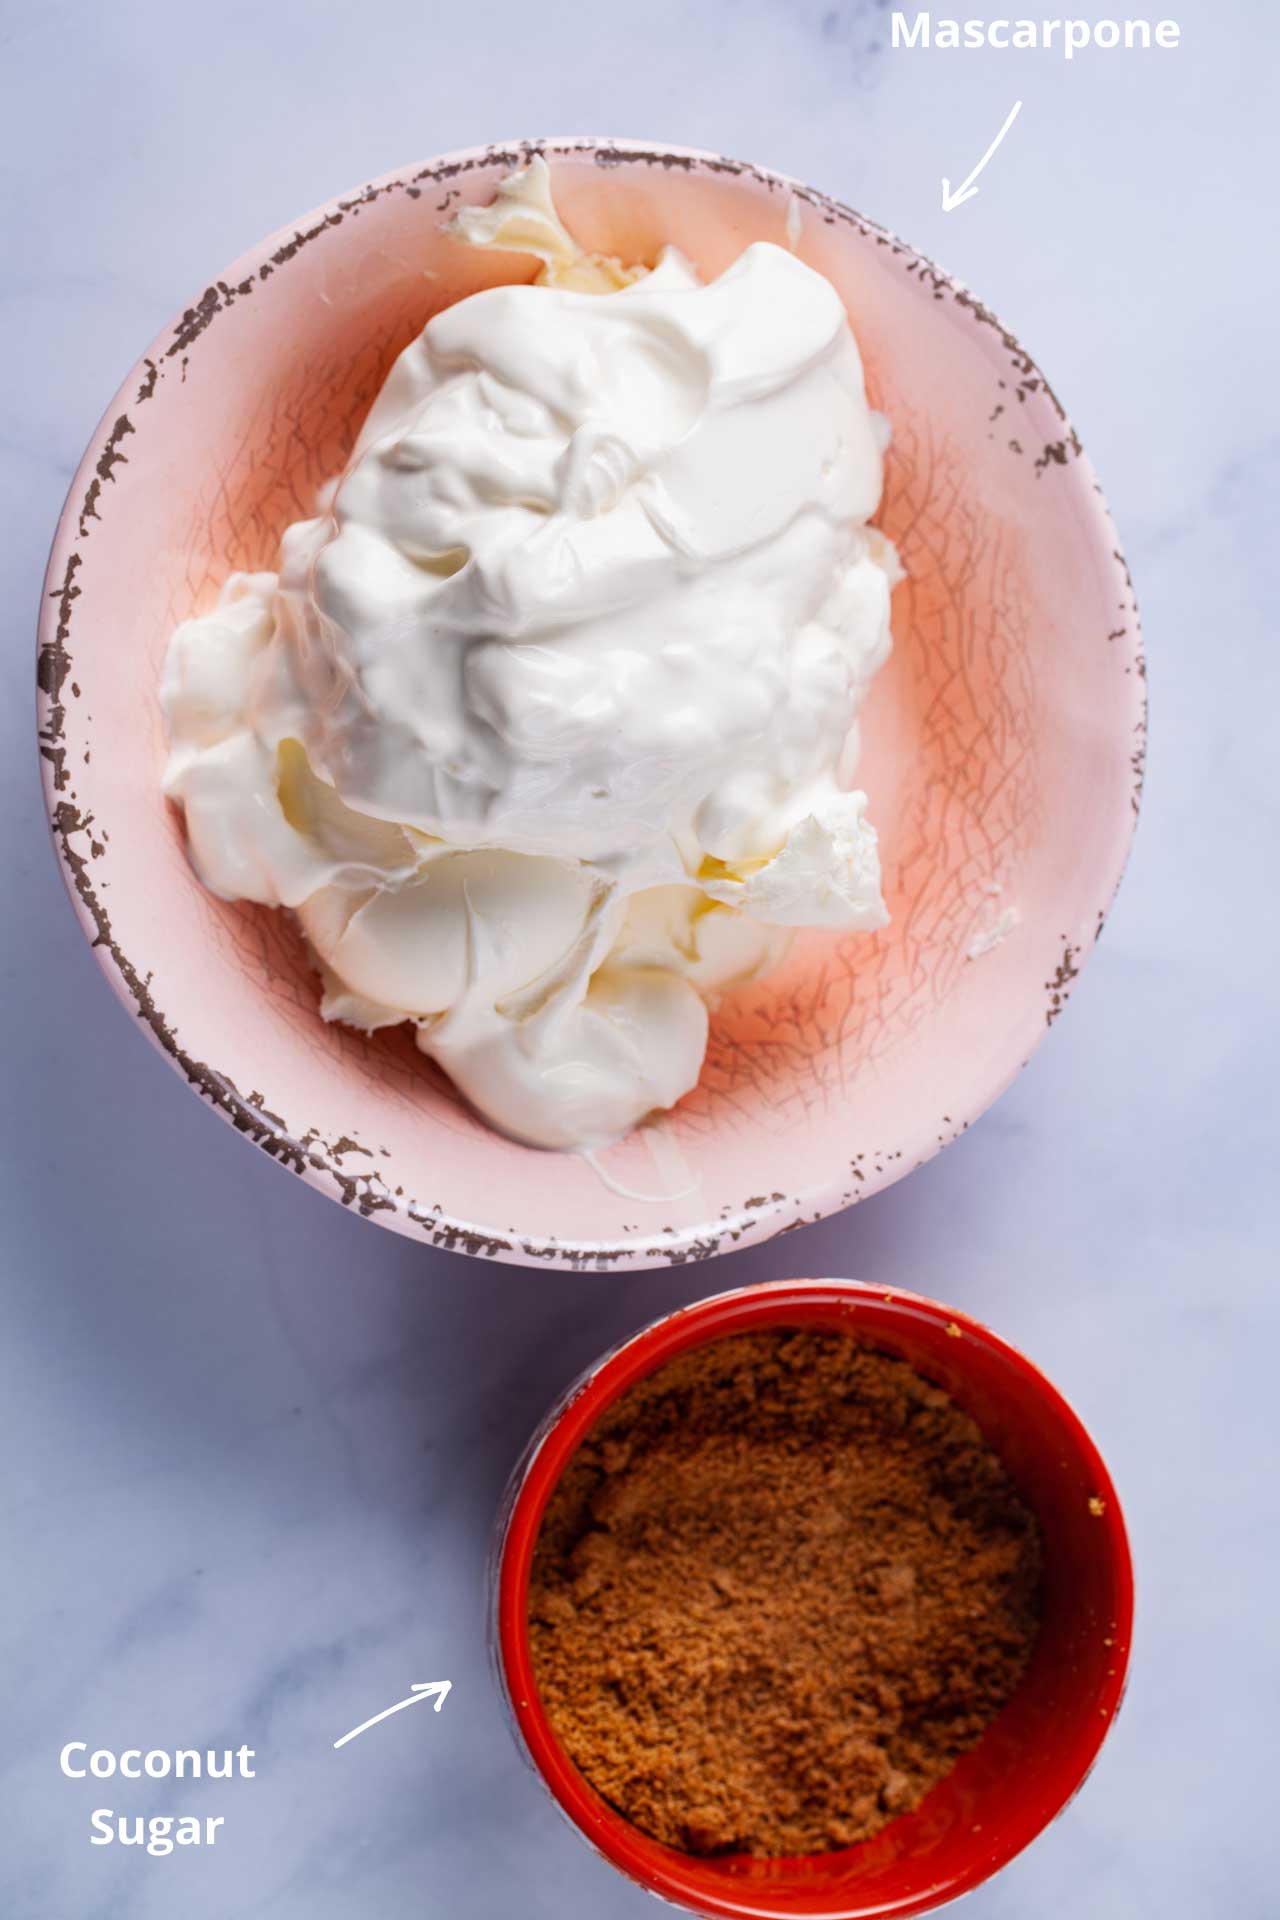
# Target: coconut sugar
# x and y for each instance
(782, 1585)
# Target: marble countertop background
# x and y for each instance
(252, 1448)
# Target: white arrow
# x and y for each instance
(422, 1690)
(966, 190)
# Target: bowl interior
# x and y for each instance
(1032, 1758)
(999, 743)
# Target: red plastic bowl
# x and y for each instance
(1035, 1754)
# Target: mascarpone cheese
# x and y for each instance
(544, 725)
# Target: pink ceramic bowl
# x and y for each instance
(1003, 743)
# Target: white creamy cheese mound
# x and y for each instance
(543, 728)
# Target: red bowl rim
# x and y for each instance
(535, 1477)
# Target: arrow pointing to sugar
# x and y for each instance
(966, 190)
(422, 1690)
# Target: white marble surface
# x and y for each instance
(253, 1446)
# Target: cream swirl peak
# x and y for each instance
(544, 725)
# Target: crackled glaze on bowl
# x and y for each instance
(1003, 744)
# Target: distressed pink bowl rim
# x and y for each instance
(128, 977)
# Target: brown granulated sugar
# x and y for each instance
(780, 1587)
